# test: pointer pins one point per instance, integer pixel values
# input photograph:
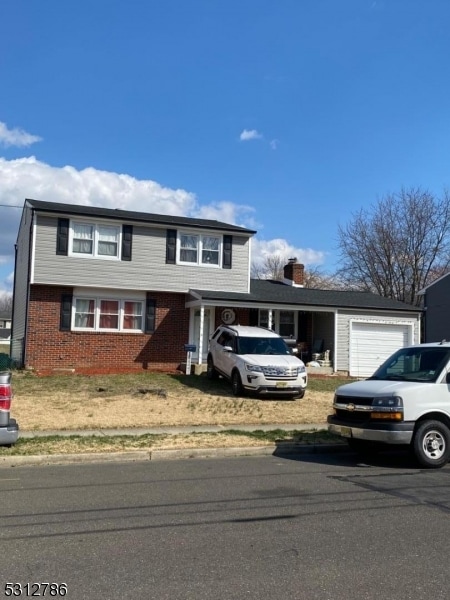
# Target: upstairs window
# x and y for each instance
(95, 240)
(199, 249)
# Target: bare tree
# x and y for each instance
(315, 278)
(271, 268)
(6, 303)
(397, 246)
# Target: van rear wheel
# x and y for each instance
(431, 444)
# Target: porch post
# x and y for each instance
(270, 319)
(200, 335)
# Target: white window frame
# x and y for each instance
(199, 249)
(95, 240)
(276, 319)
(121, 314)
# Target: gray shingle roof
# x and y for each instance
(275, 292)
(127, 215)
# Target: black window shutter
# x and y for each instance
(62, 237)
(171, 246)
(66, 312)
(253, 317)
(150, 314)
(227, 246)
(127, 241)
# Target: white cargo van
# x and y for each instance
(406, 401)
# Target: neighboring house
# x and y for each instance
(436, 310)
(101, 290)
(5, 331)
(5, 319)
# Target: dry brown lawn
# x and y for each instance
(105, 403)
(66, 411)
(70, 403)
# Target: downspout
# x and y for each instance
(14, 295)
(335, 341)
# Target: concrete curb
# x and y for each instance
(175, 454)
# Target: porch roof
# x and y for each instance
(276, 292)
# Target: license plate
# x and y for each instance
(346, 432)
(281, 384)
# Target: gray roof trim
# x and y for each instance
(127, 215)
(423, 290)
(275, 292)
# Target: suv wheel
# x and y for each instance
(431, 444)
(236, 384)
(211, 372)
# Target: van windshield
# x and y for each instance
(414, 364)
(257, 345)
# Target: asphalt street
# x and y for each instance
(310, 527)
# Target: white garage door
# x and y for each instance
(372, 343)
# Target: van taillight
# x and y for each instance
(5, 396)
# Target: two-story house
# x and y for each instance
(100, 290)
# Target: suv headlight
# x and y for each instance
(254, 368)
(301, 369)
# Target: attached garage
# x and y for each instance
(371, 343)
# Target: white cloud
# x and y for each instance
(16, 137)
(261, 249)
(30, 178)
(228, 212)
(274, 144)
(250, 134)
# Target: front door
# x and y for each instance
(206, 332)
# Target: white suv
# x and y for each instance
(255, 360)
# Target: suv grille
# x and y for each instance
(273, 371)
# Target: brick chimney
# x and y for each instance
(294, 273)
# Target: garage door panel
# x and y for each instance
(372, 343)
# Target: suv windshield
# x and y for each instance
(258, 345)
(414, 364)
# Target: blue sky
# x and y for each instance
(285, 116)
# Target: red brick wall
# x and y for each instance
(242, 316)
(50, 350)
